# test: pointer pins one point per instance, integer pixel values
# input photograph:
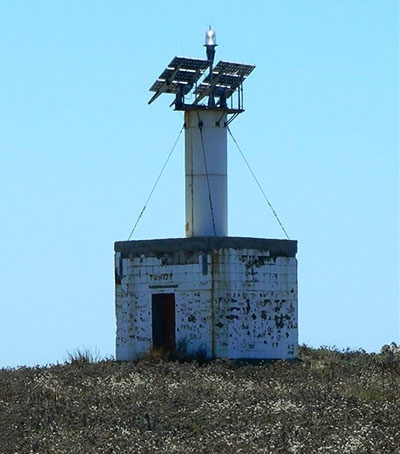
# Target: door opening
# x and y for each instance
(163, 319)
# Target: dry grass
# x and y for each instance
(331, 402)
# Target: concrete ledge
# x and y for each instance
(276, 248)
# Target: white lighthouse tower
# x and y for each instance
(233, 297)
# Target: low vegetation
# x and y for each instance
(329, 402)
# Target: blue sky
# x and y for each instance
(80, 150)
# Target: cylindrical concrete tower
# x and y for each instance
(206, 172)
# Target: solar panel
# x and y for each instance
(220, 80)
(194, 64)
(204, 90)
(182, 72)
(226, 78)
(234, 69)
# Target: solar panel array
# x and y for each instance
(183, 73)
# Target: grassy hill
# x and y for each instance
(330, 402)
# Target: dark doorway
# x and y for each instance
(163, 318)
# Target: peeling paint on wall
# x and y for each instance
(233, 302)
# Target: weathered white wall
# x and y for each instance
(243, 304)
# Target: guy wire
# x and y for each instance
(155, 184)
(208, 180)
(259, 185)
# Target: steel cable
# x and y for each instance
(259, 185)
(155, 184)
(206, 169)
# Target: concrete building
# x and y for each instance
(208, 293)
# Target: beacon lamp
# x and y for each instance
(210, 44)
